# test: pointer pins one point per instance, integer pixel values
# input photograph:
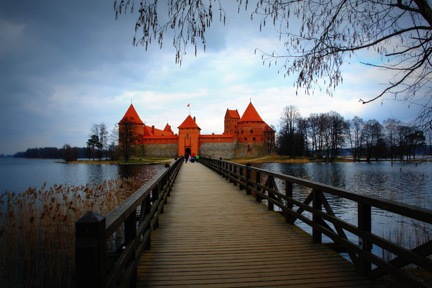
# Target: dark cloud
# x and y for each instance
(66, 65)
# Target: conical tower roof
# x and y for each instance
(168, 129)
(131, 116)
(189, 123)
(250, 115)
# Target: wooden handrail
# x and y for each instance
(250, 179)
(133, 220)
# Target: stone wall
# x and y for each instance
(213, 150)
(256, 149)
(218, 150)
(160, 150)
(231, 150)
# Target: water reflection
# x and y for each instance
(410, 184)
(404, 183)
(17, 175)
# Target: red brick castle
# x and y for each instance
(246, 136)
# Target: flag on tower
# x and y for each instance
(188, 105)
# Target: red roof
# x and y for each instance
(131, 116)
(250, 115)
(152, 131)
(147, 131)
(167, 129)
(233, 114)
(189, 123)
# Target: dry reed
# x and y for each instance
(37, 229)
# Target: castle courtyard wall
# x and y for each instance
(218, 150)
(161, 150)
(256, 149)
(212, 150)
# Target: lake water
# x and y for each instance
(403, 182)
(17, 175)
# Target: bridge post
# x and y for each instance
(167, 180)
(317, 205)
(90, 251)
(145, 210)
(130, 235)
(240, 178)
(270, 205)
(248, 176)
(258, 181)
(288, 193)
(364, 225)
(155, 196)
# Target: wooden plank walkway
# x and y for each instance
(213, 235)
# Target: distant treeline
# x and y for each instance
(67, 153)
(326, 135)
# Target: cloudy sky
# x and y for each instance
(66, 65)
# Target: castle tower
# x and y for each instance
(188, 141)
(131, 127)
(251, 126)
(231, 119)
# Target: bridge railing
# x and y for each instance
(108, 248)
(321, 218)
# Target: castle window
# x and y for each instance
(253, 138)
(245, 138)
(187, 136)
(251, 131)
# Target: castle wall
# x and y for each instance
(218, 150)
(161, 150)
(232, 150)
(255, 150)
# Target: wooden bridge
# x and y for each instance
(213, 234)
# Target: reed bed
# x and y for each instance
(37, 228)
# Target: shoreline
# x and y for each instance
(140, 161)
(305, 160)
(255, 160)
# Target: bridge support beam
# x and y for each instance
(90, 251)
(364, 225)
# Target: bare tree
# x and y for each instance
(289, 118)
(356, 126)
(416, 139)
(290, 141)
(391, 127)
(99, 140)
(129, 135)
(325, 34)
(103, 139)
(113, 147)
(372, 135)
(313, 125)
(338, 133)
